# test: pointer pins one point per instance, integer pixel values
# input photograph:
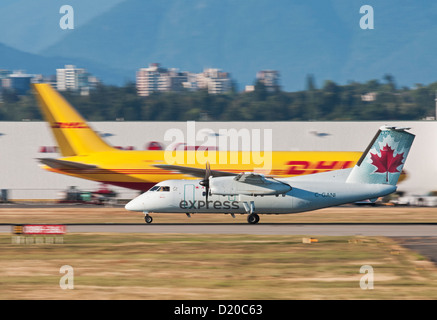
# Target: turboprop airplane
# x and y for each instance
(375, 175)
(86, 155)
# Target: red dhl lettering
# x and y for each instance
(69, 125)
(307, 167)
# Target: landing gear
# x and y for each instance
(253, 218)
(148, 219)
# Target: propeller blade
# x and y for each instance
(206, 195)
(207, 171)
(205, 182)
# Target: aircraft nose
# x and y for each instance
(134, 205)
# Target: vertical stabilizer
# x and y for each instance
(72, 133)
(384, 158)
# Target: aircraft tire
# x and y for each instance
(148, 219)
(253, 218)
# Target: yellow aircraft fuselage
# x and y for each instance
(86, 155)
(135, 169)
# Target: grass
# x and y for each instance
(174, 266)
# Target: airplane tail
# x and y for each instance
(72, 133)
(384, 158)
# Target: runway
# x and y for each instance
(268, 229)
(313, 229)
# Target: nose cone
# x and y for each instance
(135, 205)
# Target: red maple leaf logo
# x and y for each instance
(387, 162)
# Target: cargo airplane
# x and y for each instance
(375, 175)
(86, 155)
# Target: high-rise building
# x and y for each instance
(214, 80)
(147, 80)
(158, 79)
(270, 79)
(172, 80)
(75, 79)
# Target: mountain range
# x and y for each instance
(112, 39)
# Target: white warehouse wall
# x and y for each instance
(20, 143)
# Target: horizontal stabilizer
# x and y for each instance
(65, 165)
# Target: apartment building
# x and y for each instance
(158, 79)
(214, 80)
(270, 79)
(75, 79)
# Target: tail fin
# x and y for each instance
(384, 158)
(72, 133)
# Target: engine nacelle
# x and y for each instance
(228, 186)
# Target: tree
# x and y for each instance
(261, 91)
(310, 83)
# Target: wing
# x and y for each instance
(63, 164)
(195, 172)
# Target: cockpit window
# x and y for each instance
(160, 188)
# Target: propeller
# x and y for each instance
(205, 182)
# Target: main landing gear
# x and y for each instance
(148, 218)
(253, 218)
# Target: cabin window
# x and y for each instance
(165, 189)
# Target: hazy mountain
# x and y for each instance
(296, 37)
(241, 37)
(403, 42)
(13, 59)
(32, 26)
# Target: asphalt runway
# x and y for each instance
(269, 229)
(311, 229)
(426, 246)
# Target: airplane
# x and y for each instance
(86, 155)
(375, 175)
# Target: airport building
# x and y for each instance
(24, 142)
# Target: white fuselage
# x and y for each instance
(375, 175)
(188, 196)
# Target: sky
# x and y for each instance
(330, 39)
